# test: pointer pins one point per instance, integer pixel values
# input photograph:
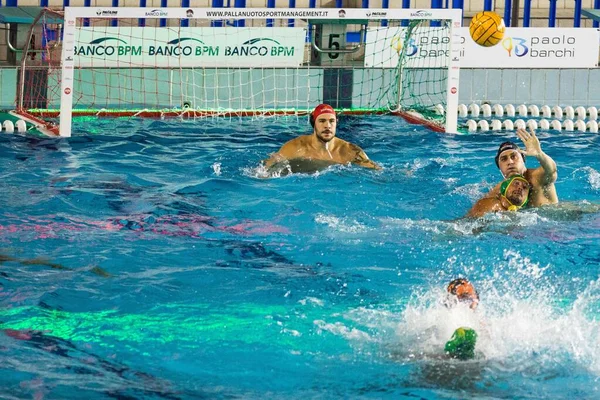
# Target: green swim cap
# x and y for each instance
(462, 344)
(504, 187)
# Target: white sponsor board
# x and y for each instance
(535, 48)
(260, 13)
(520, 48)
(148, 47)
(427, 47)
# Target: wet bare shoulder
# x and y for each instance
(292, 147)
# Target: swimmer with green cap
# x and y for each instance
(461, 345)
(515, 191)
(514, 195)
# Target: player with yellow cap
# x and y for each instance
(510, 160)
(514, 195)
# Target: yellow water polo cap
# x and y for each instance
(506, 184)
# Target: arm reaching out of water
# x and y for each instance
(545, 175)
(510, 159)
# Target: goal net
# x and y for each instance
(225, 62)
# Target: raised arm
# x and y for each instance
(546, 174)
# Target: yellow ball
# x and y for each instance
(487, 28)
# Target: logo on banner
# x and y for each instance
(376, 14)
(421, 46)
(397, 44)
(260, 47)
(531, 47)
(410, 48)
(157, 13)
(149, 47)
(106, 13)
(342, 13)
(183, 47)
(114, 46)
(421, 14)
(540, 46)
(453, 90)
(100, 47)
(67, 90)
(517, 44)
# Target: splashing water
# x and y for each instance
(221, 281)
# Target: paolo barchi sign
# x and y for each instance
(429, 47)
(535, 48)
(145, 47)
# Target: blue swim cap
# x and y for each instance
(506, 146)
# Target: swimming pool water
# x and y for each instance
(154, 259)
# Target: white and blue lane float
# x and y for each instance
(568, 119)
(9, 126)
(565, 119)
(544, 124)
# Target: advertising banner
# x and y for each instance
(426, 48)
(148, 47)
(535, 48)
(520, 48)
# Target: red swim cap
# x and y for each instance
(322, 109)
(464, 291)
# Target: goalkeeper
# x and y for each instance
(321, 148)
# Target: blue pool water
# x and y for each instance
(152, 259)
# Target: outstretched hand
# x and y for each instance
(531, 142)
